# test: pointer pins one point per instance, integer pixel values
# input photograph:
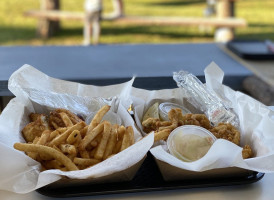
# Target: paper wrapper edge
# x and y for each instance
(121, 176)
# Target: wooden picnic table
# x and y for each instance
(153, 64)
(50, 14)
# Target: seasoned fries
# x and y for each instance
(121, 132)
(91, 135)
(74, 137)
(103, 143)
(98, 117)
(127, 139)
(111, 142)
(48, 151)
(85, 161)
(67, 143)
(66, 119)
(59, 139)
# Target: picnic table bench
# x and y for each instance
(50, 14)
(152, 64)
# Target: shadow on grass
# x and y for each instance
(63, 32)
(267, 32)
(147, 30)
(12, 35)
(253, 25)
(176, 3)
(9, 34)
(167, 32)
(257, 36)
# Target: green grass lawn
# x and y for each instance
(15, 29)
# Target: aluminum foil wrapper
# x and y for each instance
(82, 106)
(207, 101)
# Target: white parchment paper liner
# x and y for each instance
(21, 174)
(256, 126)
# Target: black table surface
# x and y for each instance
(153, 64)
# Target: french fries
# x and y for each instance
(59, 139)
(57, 155)
(77, 145)
(98, 117)
(120, 134)
(128, 138)
(74, 137)
(111, 142)
(103, 143)
(91, 135)
(66, 119)
(85, 161)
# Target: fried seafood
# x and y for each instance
(162, 135)
(150, 124)
(35, 129)
(226, 131)
(247, 152)
(153, 124)
(176, 118)
(162, 129)
(62, 118)
(196, 119)
(173, 116)
(35, 116)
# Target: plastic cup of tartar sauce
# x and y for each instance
(189, 142)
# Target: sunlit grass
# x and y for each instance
(15, 29)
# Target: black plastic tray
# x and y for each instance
(148, 178)
(250, 49)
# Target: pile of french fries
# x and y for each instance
(78, 146)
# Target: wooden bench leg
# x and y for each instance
(225, 9)
(46, 27)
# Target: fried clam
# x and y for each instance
(247, 152)
(150, 124)
(227, 131)
(62, 118)
(162, 128)
(173, 116)
(176, 118)
(196, 119)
